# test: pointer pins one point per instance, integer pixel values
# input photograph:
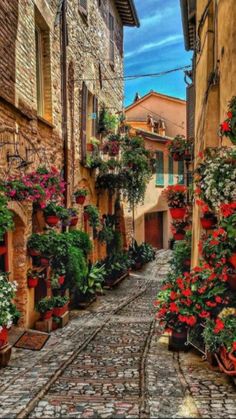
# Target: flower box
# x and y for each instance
(59, 311)
(32, 282)
(178, 213)
(3, 336)
(80, 199)
(232, 260)
(74, 221)
(52, 220)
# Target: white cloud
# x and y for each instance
(169, 40)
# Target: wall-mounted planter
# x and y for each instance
(80, 199)
(32, 282)
(52, 220)
(178, 213)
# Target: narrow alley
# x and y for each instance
(112, 362)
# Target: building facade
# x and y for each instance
(57, 61)
(209, 31)
(158, 119)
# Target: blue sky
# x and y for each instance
(156, 46)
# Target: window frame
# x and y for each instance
(160, 178)
(170, 170)
(39, 71)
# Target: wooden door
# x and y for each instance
(154, 229)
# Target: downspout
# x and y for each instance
(64, 98)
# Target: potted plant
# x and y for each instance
(8, 290)
(208, 220)
(45, 308)
(6, 217)
(176, 196)
(91, 284)
(73, 213)
(228, 126)
(180, 148)
(93, 144)
(181, 258)
(107, 122)
(141, 254)
(60, 305)
(34, 245)
(113, 145)
(80, 195)
(32, 278)
(52, 214)
(91, 214)
(112, 164)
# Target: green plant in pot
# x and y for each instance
(91, 213)
(73, 214)
(91, 282)
(32, 278)
(6, 217)
(80, 195)
(107, 122)
(53, 213)
(45, 307)
(60, 305)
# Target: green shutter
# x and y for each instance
(181, 172)
(171, 171)
(160, 168)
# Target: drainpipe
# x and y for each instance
(64, 97)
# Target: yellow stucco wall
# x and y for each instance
(218, 52)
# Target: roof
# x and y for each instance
(188, 11)
(153, 136)
(152, 92)
(127, 12)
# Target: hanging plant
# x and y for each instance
(6, 217)
(107, 122)
(80, 195)
(180, 148)
(92, 214)
(228, 126)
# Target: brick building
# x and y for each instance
(60, 63)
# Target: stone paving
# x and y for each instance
(112, 362)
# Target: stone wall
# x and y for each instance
(39, 140)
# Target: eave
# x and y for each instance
(188, 12)
(152, 136)
(127, 12)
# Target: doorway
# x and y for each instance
(154, 229)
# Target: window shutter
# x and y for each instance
(190, 94)
(112, 43)
(95, 121)
(84, 104)
(181, 172)
(160, 168)
(171, 171)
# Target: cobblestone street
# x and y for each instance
(111, 361)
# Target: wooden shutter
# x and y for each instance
(181, 172)
(190, 93)
(171, 171)
(160, 168)
(95, 121)
(84, 105)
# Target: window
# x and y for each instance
(89, 117)
(43, 68)
(112, 40)
(83, 7)
(171, 171)
(181, 172)
(160, 168)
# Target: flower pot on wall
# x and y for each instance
(179, 235)
(32, 282)
(44, 262)
(3, 250)
(178, 213)
(80, 199)
(52, 220)
(3, 336)
(208, 222)
(232, 260)
(74, 221)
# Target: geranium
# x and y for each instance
(219, 325)
(179, 146)
(176, 196)
(221, 331)
(228, 126)
(227, 209)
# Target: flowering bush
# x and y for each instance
(190, 298)
(215, 178)
(220, 245)
(40, 186)
(176, 196)
(7, 292)
(228, 126)
(221, 331)
(179, 147)
(6, 217)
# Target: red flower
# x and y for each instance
(173, 295)
(230, 115)
(174, 308)
(234, 346)
(187, 292)
(225, 126)
(218, 299)
(219, 326)
(204, 314)
(180, 283)
(210, 304)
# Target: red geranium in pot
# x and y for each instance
(32, 278)
(176, 196)
(228, 126)
(80, 195)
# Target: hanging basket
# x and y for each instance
(208, 222)
(52, 220)
(178, 213)
(33, 282)
(179, 236)
(80, 199)
(74, 221)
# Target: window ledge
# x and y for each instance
(45, 121)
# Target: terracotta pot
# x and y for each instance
(179, 236)
(33, 282)
(3, 336)
(232, 281)
(80, 199)
(44, 261)
(52, 220)
(61, 279)
(208, 223)
(74, 221)
(90, 147)
(177, 340)
(232, 260)
(33, 252)
(58, 311)
(178, 156)
(178, 213)
(3, 250)
(47, 315)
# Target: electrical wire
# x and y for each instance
(161, 116)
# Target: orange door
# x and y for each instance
(154, 229)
